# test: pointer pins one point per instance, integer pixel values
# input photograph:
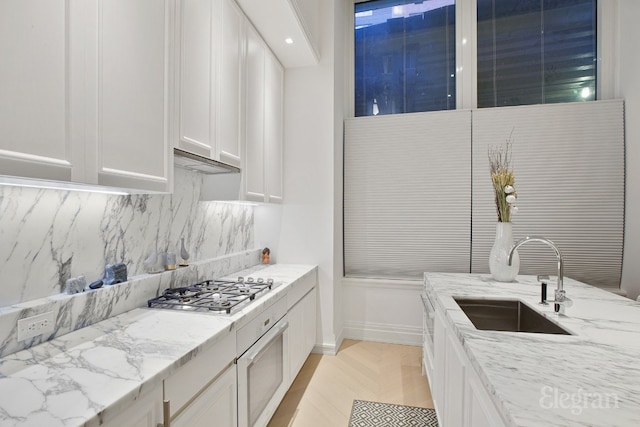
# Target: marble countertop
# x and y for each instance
(72, 379)
(590, 378)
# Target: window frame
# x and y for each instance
(607, 81)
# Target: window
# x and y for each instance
(404, 56)
(536, 51)
(528, 52)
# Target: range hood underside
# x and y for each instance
(195, 162)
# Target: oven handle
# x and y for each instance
(274, 333)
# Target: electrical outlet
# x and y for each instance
(33, 326)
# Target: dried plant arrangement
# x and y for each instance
(503, 180)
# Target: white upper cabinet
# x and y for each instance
(132, 93)
(250, 104)
(255, 154)
(84, 92)
(230, 83)
(273, 127)
(196, 75)
(210, 51)
(35, 136)
(263, 168)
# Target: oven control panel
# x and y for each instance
(257, 327)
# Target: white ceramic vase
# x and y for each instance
(499, 256)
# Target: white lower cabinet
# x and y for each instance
(439, 361)
(455, 368)
(145, 412)
(459, 397)
(302, 331)
(479, 410)
(203, 391)
(215, 406)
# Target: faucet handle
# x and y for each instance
(542, 278)
(561, 302)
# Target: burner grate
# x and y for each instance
(212, 295)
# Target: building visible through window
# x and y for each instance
(528, 52)
(404, 56)
(536, 51)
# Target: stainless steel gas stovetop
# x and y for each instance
(212, 295)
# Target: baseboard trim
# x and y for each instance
(392, 334)
(384, 284)
(325, 349)
(330, 349)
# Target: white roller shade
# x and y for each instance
(418, 194)
(407, 182)
(568, 161)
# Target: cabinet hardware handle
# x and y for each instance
(251, 357)
(166, 413)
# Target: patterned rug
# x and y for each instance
(376, 414)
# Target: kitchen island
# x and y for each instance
(91, 375)
(588, 378)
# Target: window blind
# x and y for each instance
(407, 181)
(418, 195)
(568, 161)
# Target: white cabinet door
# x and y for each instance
(309, 322)
(455, 383)
(216, 406)
(302, 332)
(197, 48)
(132, 94)
(144, 412)
(84, 91)
(459, 397)
(479, 410)
(264, 122)
(273, 127)
(440, 360)
(230, 83)
(35, 94)
(254, 172)
(296, 339)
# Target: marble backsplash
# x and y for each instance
(73, 312)
(48, 236)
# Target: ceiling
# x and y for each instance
(279, 20)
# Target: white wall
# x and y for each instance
(383, 310)
(308, 230)
(629, 68)
(341, 11)
(268, 222)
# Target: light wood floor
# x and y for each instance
(323, 391)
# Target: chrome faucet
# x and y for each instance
(561, 299)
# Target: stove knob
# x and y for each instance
(260, 280)
(240, 279)
(249, 279)
(269, 281)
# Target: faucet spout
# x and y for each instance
(548, 243)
